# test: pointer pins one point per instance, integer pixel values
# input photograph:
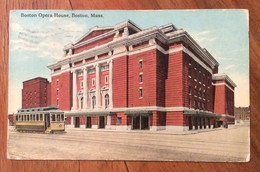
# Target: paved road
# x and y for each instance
(219, 145)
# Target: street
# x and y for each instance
(82, 144)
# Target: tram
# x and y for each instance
(43, 119)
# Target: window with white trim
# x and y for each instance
(140, 92)
(141, 78)
(93, 81)
(81, 84)
(140, 64)
(106, 79)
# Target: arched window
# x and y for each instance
(93, 102)
(106, 100)
(81, 103)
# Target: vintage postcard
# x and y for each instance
(170, 85)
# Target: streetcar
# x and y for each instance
(43, 119)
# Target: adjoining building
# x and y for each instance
(242, 115)
(124, 77)
(36, 93)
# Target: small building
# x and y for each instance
(242, 115)
(126, 78)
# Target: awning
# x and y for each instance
(77, 114)
(138, 113)
(201, 114)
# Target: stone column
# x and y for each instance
(85, 88)
(98, 103)
(108, 120)
(110, 84)
(74, 93)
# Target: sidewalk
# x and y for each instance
(147, 131)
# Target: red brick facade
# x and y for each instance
(130, 78)
(36, 93)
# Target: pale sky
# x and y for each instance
(36, 42)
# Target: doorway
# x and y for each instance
(101, 122)
(136, 122)
(77, 122)
(88, 122)
(190, 123)
(144, 122)
(47, 120)
(140, 123)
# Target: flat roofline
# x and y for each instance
(36, 79)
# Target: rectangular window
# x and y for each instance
(189, 72)
(27, 116)
(189, 90)
(53, 117)
(140, 92)
(37, 117)
(93, 82)
(57, 102)
(57, 92)
(141, 64)
(81, 84)
(40, 117)
(119, 121)
(62, 117)
(57, 82)
(106, 79)
(140, 78)
(194, 104)
(58, 117)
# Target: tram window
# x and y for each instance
(33, 117)
(27, 116)
(40, 117)
(16, 117)
(22, 117)
(37, 117)
(30, 117)
(58, 117)
(62, 117)
(53, 117)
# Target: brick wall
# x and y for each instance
(65, 91)
(174, 82)
(175, 118)
(92, 45)
(149, 79)
(120, 82)
(35, 93)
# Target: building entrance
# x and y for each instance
(77, 122)
(190, 123)
(140, 123)
(101, 122)
(88, 122)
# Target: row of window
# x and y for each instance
(39, 117)
(198, 77)
(197, 105)
(199, 94)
